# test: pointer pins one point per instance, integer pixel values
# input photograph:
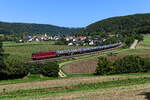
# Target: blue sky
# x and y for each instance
(68, 13)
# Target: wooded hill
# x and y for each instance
(20, 28)
(139, 23)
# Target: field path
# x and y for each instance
(62, 82)
(61, 73)
(134, 44)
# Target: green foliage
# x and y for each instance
(138, 23)
(25, 28)
(132, 64)
(1, 45)
(146, 41)
(129, 27)
(104, 67)
(34, 68)
(139, 37)
(110, 41)
(128, 41)
(1, 58)
(128, 64)
(13, 68)
(61, 42)
(50, 69)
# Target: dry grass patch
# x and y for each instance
(84, 67)
(136, 92)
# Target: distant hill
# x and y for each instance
(139, 23)
(21, 28)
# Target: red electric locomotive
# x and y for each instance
(43, 54)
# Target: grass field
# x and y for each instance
(55, 91)
(25, 50)
(146, 42)
(9, 43)
(29, 78)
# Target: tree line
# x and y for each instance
(12, 67)
(128, 64)
(19, 29)
(139, 23)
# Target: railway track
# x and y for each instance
(73, 56)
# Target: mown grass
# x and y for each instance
(66, 89)
(92, 75)
(135, 51)
(29, 78)
(11, 43)
(146, 41)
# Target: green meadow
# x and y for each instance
(146, 41)
(25, 50)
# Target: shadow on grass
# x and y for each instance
(146, 94)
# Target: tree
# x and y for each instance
(34, 68)
(1, 45)
(128, 64)
(129, 40)
(139, 37)
(14, 68)
(132, 64)
(104, 67)
(1, 58)
(61, 42)
(50, 69)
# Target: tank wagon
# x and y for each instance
(50, 54)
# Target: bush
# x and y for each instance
(128, 64)
(139, 37)
(104, 67)
(50, 69)
(34, 68)
(129, 41)
(13, 68)
(131, 64)
(61, 42)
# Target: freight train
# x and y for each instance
(50, 54)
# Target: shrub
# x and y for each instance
(129, 41)
(34, 68)
(13, 68)
(139, 37)
(61, 42)
(50, 69)
(104, 67)
(128, 64)
(131, 64)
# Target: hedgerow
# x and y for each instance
(50, 69)
(13, 68)
(128, 64)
